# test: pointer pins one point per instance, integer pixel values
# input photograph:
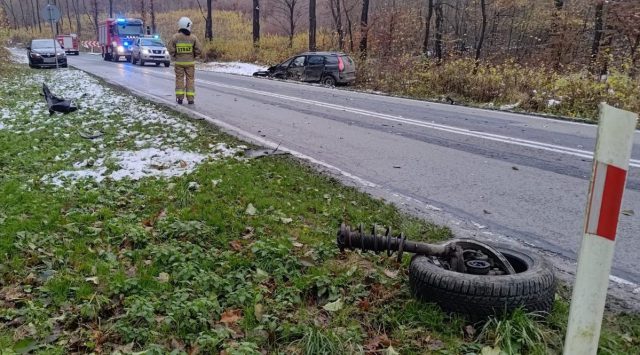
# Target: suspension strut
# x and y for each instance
(454, 250)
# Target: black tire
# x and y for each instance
(158, 64)
(167, 64)
(141, 62)
(477, 297)
(328, 81)
(64, 66)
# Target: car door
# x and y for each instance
(296, 68)
(135, 49)
(314, 69)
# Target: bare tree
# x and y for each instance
(76, 10)
(312, 25)
(364, 28)
(256, 22)
(439, 29)
(110, 8)
(483, 9)
(336, 12)
(209, 23)
(597, 34)
(152, 8)
(427, 27)
(288, 14)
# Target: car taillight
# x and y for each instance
(340, 64)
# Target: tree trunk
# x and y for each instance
(312, 25)
(24, 21)
(349, 29)
(337, 19)
(68, 8)
(13, 13)
(427, 27)
(439, 24)
(38, 14)
(483, 10)
(597, 35)
(292, 23)
(256, 22)
(209, 25)
(95, 16)
(364, 28)
(77, 13)
(153, 15)
(110, 9)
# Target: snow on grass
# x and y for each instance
(135, 165)
(19, 55)
(238, 68)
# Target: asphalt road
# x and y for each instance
(491, 174)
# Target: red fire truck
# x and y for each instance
(117, 35)
(69, 43)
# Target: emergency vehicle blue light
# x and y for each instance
(121, 20)
(126, 43)
(156, 36)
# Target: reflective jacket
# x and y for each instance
(184, 49)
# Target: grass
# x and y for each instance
(159, 265)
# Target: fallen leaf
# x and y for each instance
(258, 311)
(364, 305)
(94, 280)
(231, 316)
(435, 345)
(183, 164)
(176, 344)
(377, 342)
(297, 244)
(11, 294)
(333, 306)
(163, 277)
(286, 220)
(131, 272)
(251, 211)
(390, 273)
(391, 351)
(469, 331)
(248, 232)
(488, 350)
(307, 261)
(235, 245)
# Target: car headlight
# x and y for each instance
(145, 51)
(35, 55)
(120, 49)
(61, 54)
(114, 43)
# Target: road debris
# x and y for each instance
(57, 104)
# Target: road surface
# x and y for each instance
(484, 173)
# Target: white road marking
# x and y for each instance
(440, 127)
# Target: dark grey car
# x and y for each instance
(328, 68)
(42, 53)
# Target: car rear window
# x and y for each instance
(347, 60)
(315, 60)
(331, 59)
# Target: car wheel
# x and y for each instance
(532, 287)
(141, 62)
(157, 64)
(167, 64)
(328, 81)
(64, 66)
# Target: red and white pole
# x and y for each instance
(610, 164)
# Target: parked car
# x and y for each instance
(149, 50)
(42, 53)
(327, 68)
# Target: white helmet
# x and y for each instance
(185, 24)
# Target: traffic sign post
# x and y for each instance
(616, 130)
(51, 14)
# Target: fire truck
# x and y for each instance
(116, 36)
(69, 43)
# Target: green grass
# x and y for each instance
(152, 265)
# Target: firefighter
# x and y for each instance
(184, 47)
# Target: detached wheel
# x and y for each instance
(480, 296)
(328, 81)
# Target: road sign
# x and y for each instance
(50, 13)
(610, 165)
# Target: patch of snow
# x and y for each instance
(553, 102)
(136, 165)
(231, 68)
(510, 106)
(18, 55)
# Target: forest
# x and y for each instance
(525, 54)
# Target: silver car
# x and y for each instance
(149, 50)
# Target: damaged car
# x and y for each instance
(327, 68)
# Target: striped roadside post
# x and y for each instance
(610, 164)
